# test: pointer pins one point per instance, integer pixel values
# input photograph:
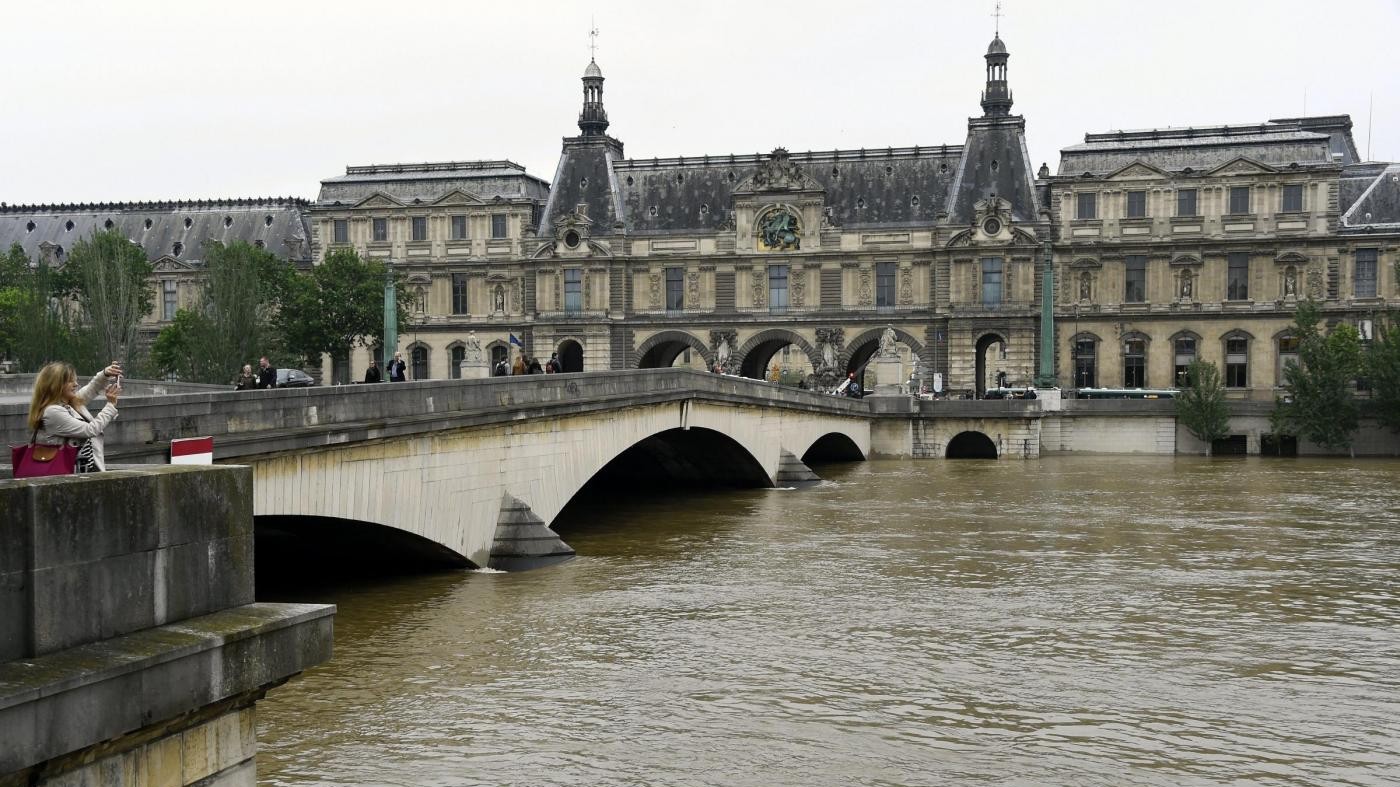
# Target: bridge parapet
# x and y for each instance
(254, 422)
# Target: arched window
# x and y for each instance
(1237, 360)
(458, 354)
(1086, 360)
(1287, 354)
(420, 362)
(1135, 361)
(1184, 348)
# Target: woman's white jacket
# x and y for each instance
(61, 423)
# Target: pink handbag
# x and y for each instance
(34, 460)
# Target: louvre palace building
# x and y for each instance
(1149, 248)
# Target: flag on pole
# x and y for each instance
(515, 341)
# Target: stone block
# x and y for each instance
(88, 518)
(199, 752)
(159, 763)
(213, 503)
(15, 617)
(85, 602)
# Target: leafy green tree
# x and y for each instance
(1201, 406)
(234, 322)
(1319, 404)
(37, 323)
(338, 305)
(110, 279)
(1383, 370)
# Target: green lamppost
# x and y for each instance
(391, 318)
(1046, 376)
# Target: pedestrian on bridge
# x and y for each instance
(267, 374)
(246, 380)
(372, 373)
(396, 369)
(58, 413)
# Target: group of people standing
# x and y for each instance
(398, 370)
(265, 377)
(525, 364)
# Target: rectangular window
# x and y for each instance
(1366, 273)
(1239, 199)
(991, 282)
(459, 293)
(1086, 206)
(342, 231)
(1085, 363)
(1237, 276)
(1185, 354)
(884, 284)
(1137, 204)
(1135, 278)
(1287, 354)
(1236, 363)
(1293, 198)
(675, 289)
(1186, 202)
(498, 226)
(573, 289)
(1135, 364)
(459, 228)
(420, 228)
(169, 300)
(777, 288)
(381, 229)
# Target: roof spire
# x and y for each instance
(997, 14)
(593, 120)
(996, 97)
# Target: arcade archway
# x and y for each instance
(663, 350)
(991, 351)
(779, 354)
(570, 356)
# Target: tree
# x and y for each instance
(339, 304)
(1383, 370)
(233, 324)
(1201, 405)
(1319, 404)
(37, 324)
(110, 279)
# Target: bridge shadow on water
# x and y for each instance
(297, 553)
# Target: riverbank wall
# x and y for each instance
(132, 651)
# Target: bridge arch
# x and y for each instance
(661, 350)
(831, 447)
(971, 445)
(753, 357)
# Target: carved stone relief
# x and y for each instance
(655, 281)
(759, 287)
(906, 287)
(799, 287)
(692, 290)
(1315, 284)
(866, 297)
(587, 289)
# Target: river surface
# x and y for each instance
(1067, 621)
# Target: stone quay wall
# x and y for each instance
(131, 648)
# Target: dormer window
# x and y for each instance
(189, 222)
(29, 227)
(108, 224)
(177, 249)
(704, 208)
(651, 211)
(68, 226)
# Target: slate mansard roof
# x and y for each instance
(1279, 143)
(887, 187)
(426, 183)
(278, 224)
(1369, 197)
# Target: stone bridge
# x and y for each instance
(465, 466)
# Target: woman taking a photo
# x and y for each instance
(59, 411)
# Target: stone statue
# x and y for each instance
(500, 298)
(1186, 284)
(828, 354)
(887, 340)
(779, 230)
(1084, 283)
(722, 352)
(472, 349)
(1290, 283)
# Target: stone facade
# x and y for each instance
(1161, 245)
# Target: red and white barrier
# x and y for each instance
(192, 451)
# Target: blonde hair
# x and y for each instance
(50, 387)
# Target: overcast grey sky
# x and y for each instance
(149, 99)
